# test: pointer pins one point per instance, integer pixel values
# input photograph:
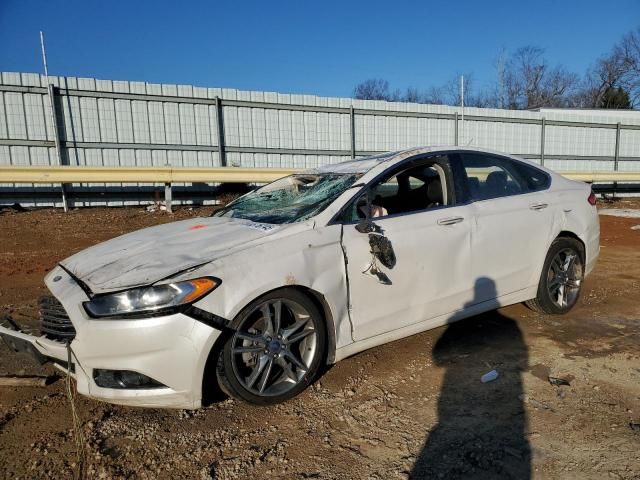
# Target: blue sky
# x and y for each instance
(322, 47)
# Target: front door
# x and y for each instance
(423, 270)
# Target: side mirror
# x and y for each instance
(366, 225)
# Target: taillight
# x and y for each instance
(592, 199)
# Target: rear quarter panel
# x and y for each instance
(579, 217)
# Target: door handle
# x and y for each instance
(450, 220)
(538, 206)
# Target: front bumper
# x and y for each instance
(171, 349)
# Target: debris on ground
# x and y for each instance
(558, 382)
(489, 376)
(155, 207)
(16, 207)
(634, 426)
(27, 380)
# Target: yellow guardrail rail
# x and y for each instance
(65, 174)
(601, 176)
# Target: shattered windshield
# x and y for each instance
(290, 199)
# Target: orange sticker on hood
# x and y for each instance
(197, 226)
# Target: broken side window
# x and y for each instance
(290, 199)
(411, 190)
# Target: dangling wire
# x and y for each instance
(78, 436)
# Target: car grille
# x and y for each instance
(54, 321)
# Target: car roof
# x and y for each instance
(364, 164)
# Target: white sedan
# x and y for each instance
(311, 269)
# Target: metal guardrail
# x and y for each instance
(600, 176)
(166, 175)
(170, 175)
(64, 174)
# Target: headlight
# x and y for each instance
(150, 299)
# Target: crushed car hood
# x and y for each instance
(146, 256)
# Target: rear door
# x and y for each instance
(512, 222)
(429, 237)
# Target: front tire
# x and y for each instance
(276, 350)
(561, 280)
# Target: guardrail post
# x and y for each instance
(455, 129)
(542, 130)
(220, 125)
(168, 196)
(352, 120)
(51, 91)
(616, 157)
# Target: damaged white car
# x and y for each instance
(311, 269)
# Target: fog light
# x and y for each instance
(124, 379)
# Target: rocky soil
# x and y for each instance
(414, 408)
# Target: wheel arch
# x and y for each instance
(327, 315)
(211, 392)
(540, 303)
(569, 234)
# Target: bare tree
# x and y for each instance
(445, 94)
(413, 95)
(618, 69)
(473, 97)
(525, 80)
(529, 82)
(435, 95)
(607, 73)
(628, 50)
(372, 89)
(452, 89)
(499, 98)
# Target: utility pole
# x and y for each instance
(501, 71)
(462, 107)
(44, 56)
(54, 117)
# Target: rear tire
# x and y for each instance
(561, 279)
(276, 350)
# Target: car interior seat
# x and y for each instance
(434, 193)
(474, 187)
(495, 184)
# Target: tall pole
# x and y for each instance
(501, 70)
(54, 118)
(352, 131)
(44, 56)
(462, 107)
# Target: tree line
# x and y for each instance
(525, 80)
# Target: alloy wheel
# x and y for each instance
(564, 277)
(274, 347)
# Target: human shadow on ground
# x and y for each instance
(482, 427)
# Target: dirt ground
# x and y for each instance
(414, 408)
